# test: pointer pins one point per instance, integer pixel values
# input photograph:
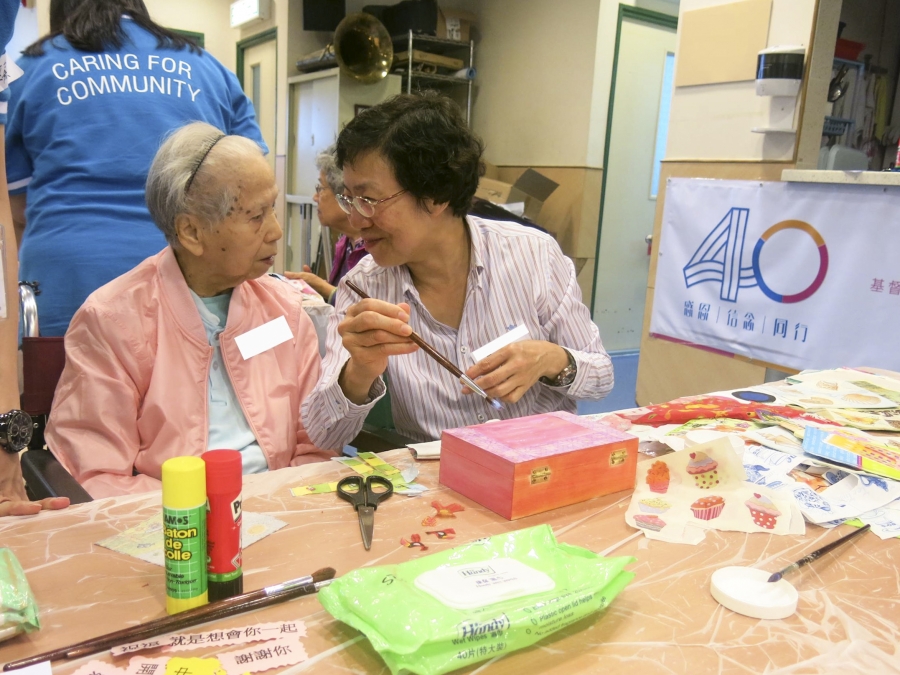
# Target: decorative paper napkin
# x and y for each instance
(680, 495)
(846, 495)
(145, 541)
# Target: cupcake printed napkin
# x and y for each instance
(681, 495)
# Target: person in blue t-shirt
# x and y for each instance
(98, 96)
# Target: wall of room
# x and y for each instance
(713, 140)
(210, 17)
(729, 111)
(562, 51)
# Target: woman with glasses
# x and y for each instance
(160, 362)
(350, 248)
(411, 167)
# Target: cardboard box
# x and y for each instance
(532, 188)
(454, 24)
(521, 467)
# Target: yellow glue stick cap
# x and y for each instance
(183, 482)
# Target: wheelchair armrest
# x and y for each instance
(374, 439)
(46, 477)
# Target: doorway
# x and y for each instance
(257, 72)
(636, 130)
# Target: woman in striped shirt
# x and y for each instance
(411, 167)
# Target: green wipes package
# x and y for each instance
(18, 611)
(474, 602)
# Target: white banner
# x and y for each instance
(799, 275)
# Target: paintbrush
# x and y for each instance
(818, 553)
(264, 597)
(437, 356)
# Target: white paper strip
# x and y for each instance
(517, 333)
(265, 337)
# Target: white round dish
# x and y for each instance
(746, 590)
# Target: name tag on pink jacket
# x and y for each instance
(262, 338)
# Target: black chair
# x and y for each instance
(378, 434)
(43, 360)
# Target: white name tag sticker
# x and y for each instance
(263, 338)
(517, 333)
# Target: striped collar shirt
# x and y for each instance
(518, 276)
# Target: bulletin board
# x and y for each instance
(721, 43)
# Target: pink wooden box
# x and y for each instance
(529, 465)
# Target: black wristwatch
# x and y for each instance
(566, 375)
(16, 428)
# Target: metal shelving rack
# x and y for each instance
(414, 80)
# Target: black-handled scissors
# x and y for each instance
(365, 500)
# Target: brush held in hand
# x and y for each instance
(238, 604)
(437, 356)
(818, 553)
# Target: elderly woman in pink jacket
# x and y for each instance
(197, 347)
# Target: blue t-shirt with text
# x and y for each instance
(83, 129)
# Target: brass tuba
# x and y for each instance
(361, 47)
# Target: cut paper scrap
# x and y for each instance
(689, 408)
(430, 450)
(96, 668)
(885, 419)
(442, 511)
(824, 391)
(318, 489)
(447, 533)
(146, 665)
(216, 638)
(784, 441)
(275, 654)
(885, 520)
(368, 464)
(415, 541)
(850, 494)
(706, 430)
(178, 665)
(706, 491)
(854, 448)
(145, 540)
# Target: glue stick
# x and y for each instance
(223, 490)
(184, 527)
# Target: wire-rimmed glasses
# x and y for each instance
(363, 205)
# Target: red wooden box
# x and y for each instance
(529, 465)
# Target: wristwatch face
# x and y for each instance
(567, 376)
(16, 428)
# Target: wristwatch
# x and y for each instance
(566, 375)
(16, 428)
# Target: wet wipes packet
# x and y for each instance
(474, 602)
(18, 610)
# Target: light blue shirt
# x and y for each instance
(228, 427)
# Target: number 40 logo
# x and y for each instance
(720, 258)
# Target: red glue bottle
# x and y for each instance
(224, 481)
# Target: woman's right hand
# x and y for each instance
(372, 330)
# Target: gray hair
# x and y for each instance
(325, 162)
(193, 150)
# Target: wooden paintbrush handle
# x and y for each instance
(431, 351)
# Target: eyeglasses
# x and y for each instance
(319, 189)
(363, 205)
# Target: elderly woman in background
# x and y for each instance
(411, 167)
(155, 362)
(350, 248)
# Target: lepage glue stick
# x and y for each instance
(223, 489)
(184, 527)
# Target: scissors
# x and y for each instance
(365, 500)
